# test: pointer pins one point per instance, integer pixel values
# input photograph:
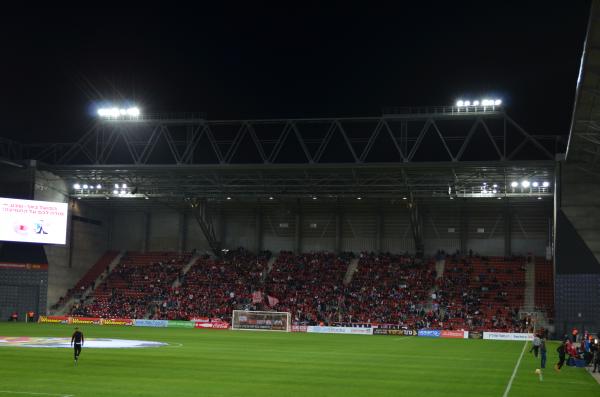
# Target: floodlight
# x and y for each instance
(270, 197)
(314, 197)
(359, 198)
(494, 191)
(467, 103)
(460, 103)
(495, 186)
(475, 103)
(403, 198)
(116, 185)
(115, 192)
(124, 186)
(85, 186)
(514, 184)
(486, 102)
(451, 198)
(535, 184)
(133, 112)
(546, 184)
(525, 184)
(98, 186)
(539, 197)
(77, 186)
(228, 198)
(122, 112)
(498, 102)
(122, 192)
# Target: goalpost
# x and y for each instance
(261, 321)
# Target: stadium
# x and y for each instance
(425, 250)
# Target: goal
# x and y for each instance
(261, 321)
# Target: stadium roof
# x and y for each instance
(584, 139)
(427, 153)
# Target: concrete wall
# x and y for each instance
(87, 237)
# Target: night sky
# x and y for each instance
(266, 60)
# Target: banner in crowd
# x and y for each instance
(475, 335)
(180, 324)
(430, 333)
(299, 328)
(150, 323)
(507, 336)
(455, 334)
(54, 319)
(340, 330)
(398, 332)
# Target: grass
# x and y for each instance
(237, 363)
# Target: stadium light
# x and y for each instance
(115, 112)
(228, 198)
(314, 197)
(403, 198)
(546, 184)
(122, 192)
(115, 192)
(124, 186)
(77, 186)
(539, 197)
(525, 184)
(98, 186)
(271, 198)
(85, 186)
(476, 102)
(514, 184)
(495, 186)
(535, 184)
(359, 198)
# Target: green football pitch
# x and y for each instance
(237, 363)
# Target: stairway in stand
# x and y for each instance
(352, 268)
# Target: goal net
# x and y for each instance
(261, 321)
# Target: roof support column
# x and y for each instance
(258, 229)
(145, 231)
(338, 230)
(182, 231)
(464, 229)
(507, 230)
(379, 235)
(298, 231)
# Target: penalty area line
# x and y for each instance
(512, 378)
(30, 393)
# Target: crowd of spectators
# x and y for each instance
(473, 293)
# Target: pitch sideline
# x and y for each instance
(514, 372)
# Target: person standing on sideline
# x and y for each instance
(77, 342)
(542, 353)
(561, 356)
(596, 357)
(535, 346)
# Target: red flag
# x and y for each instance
(257, 297)
(272, 300)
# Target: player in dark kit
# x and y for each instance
(77, 340)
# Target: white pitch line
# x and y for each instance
(514, 372)
(36, 393)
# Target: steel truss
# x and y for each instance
(411, 137)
